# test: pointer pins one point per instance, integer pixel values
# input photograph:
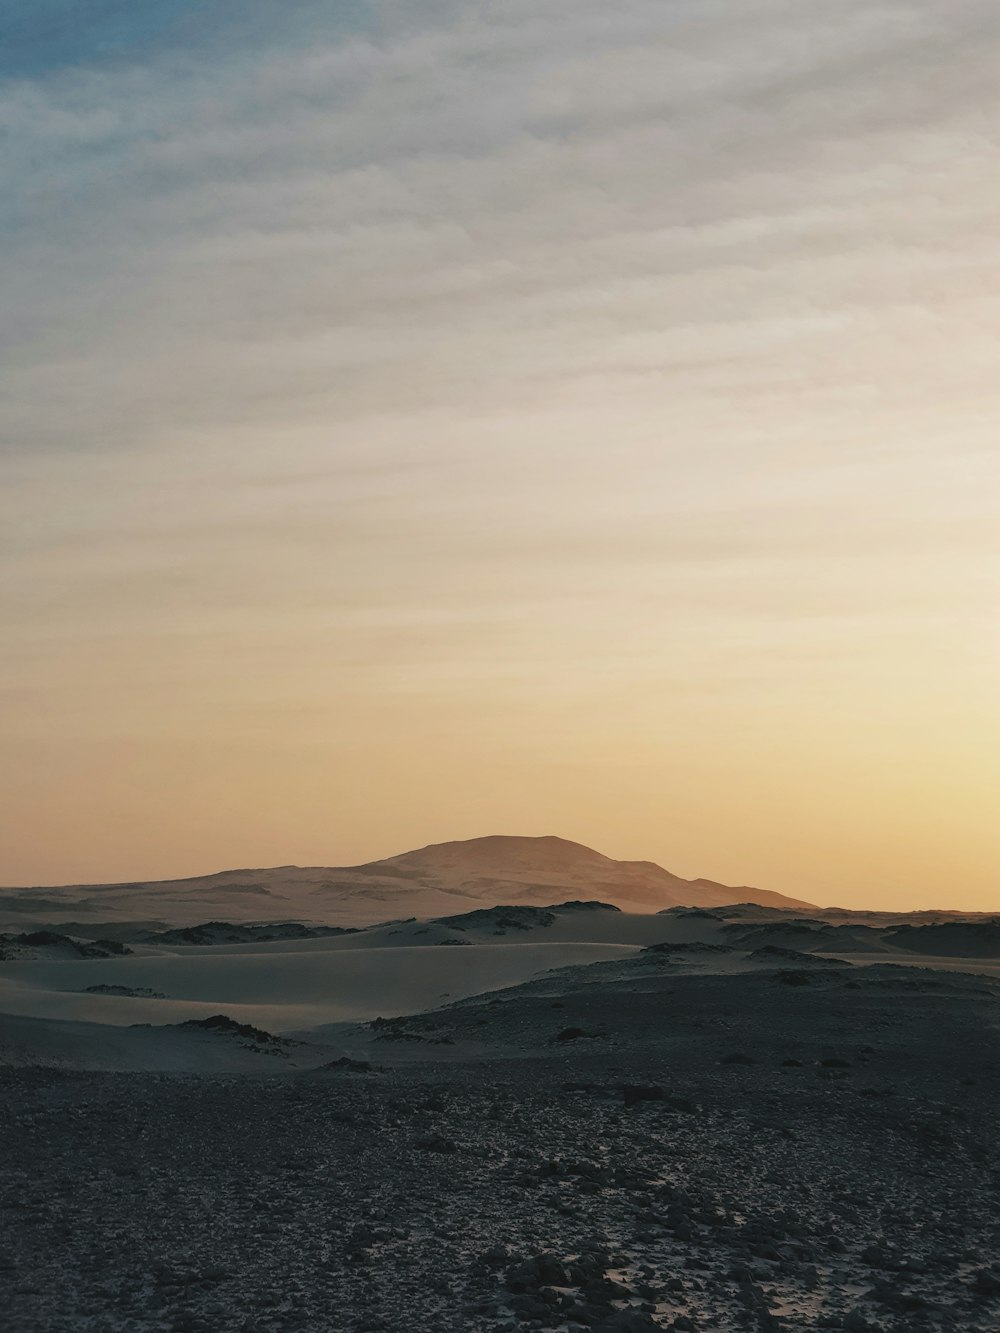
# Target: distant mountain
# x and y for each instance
(440, 880)
(522, 866)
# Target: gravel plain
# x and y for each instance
(604, 1149)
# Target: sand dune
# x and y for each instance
(434, 881)
(281, 988)
(386, 970)
(315, 983)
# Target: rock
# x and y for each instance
(436, 1143)
(632, 1093)
(543, 1269)
(893, 1297)
(753, 1299)
(626, 1321)
(986, 1283)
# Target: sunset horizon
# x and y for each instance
(612, 456)
(856, 899)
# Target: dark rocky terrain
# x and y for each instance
(53, 944)
(626, 1146)
(517, 917)
(229, 932)
(130, 992)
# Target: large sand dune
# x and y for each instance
(434, 881)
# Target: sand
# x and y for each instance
(434, 881)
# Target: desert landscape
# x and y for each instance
(498, 666)
(590, 1096)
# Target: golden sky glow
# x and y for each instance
(560, 419)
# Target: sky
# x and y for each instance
(426, 421)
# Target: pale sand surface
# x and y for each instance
(395, 968)
(283, 988)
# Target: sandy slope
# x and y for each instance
(298, 984)
(280, 989)
(567, 927)
(310, 986)
(301, 984)
(434, 881)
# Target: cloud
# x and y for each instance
(436, 237)
(430, 213)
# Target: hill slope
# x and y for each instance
(438, 880)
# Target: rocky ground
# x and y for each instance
(676, 1151)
